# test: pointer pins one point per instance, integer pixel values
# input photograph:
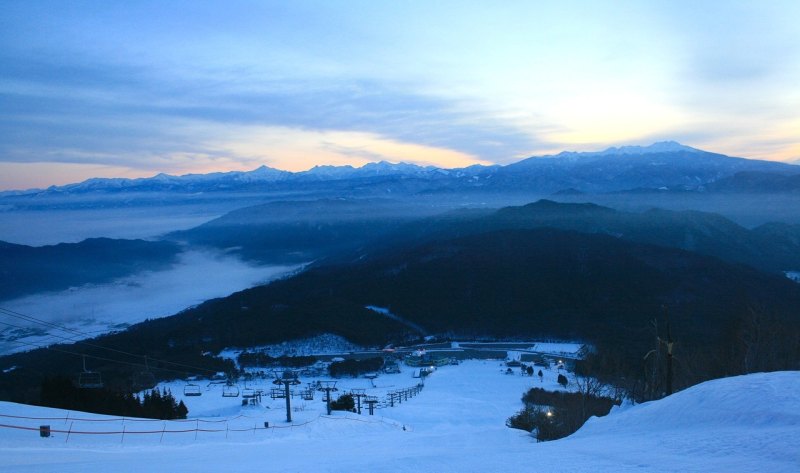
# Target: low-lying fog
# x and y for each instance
(93, 309)
(66, 221)
(50, 227)
(52, 219)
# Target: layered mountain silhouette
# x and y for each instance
(664, 165)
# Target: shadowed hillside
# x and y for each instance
(509, 284)
(28, 269)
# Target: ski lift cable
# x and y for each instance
(75, 342)
(77, 332)
(62, 328)
(31, 318)
(101, 358)
(56, 326)
(78, 342)
(47, 334)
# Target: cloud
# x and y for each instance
(123, 116)
(129, 85)
(733, 55)
(296, 150)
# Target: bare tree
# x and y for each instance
(588, 387)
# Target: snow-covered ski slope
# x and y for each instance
(456, 424)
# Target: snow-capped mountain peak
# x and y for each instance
(658, 147)
(633, 150)
(665, 164)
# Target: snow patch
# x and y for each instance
(325, 344)
(570, 350)
(388, 313)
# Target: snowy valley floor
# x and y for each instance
(456, 424)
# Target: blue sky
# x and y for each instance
(128, 89)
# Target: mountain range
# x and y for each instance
(660, 166)
(353, 230)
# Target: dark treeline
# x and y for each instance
(352, 367)
(119, 372)
(554, 415)
(60, 392)
(749, 341)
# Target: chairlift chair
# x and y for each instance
(192, 390)
(144, 379)
(230, 390)
(89, 379)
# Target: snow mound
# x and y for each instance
(743, 423)
(760, 400)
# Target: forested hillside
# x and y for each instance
(726, 318)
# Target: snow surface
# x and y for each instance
(386, 312)
(94, 309)
(325, 344)
(455, 424)
(570, 350)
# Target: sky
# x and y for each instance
(131, 89)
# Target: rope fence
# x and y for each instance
(398, 396)
(165, 428)
(123, 419)
(127, 427)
